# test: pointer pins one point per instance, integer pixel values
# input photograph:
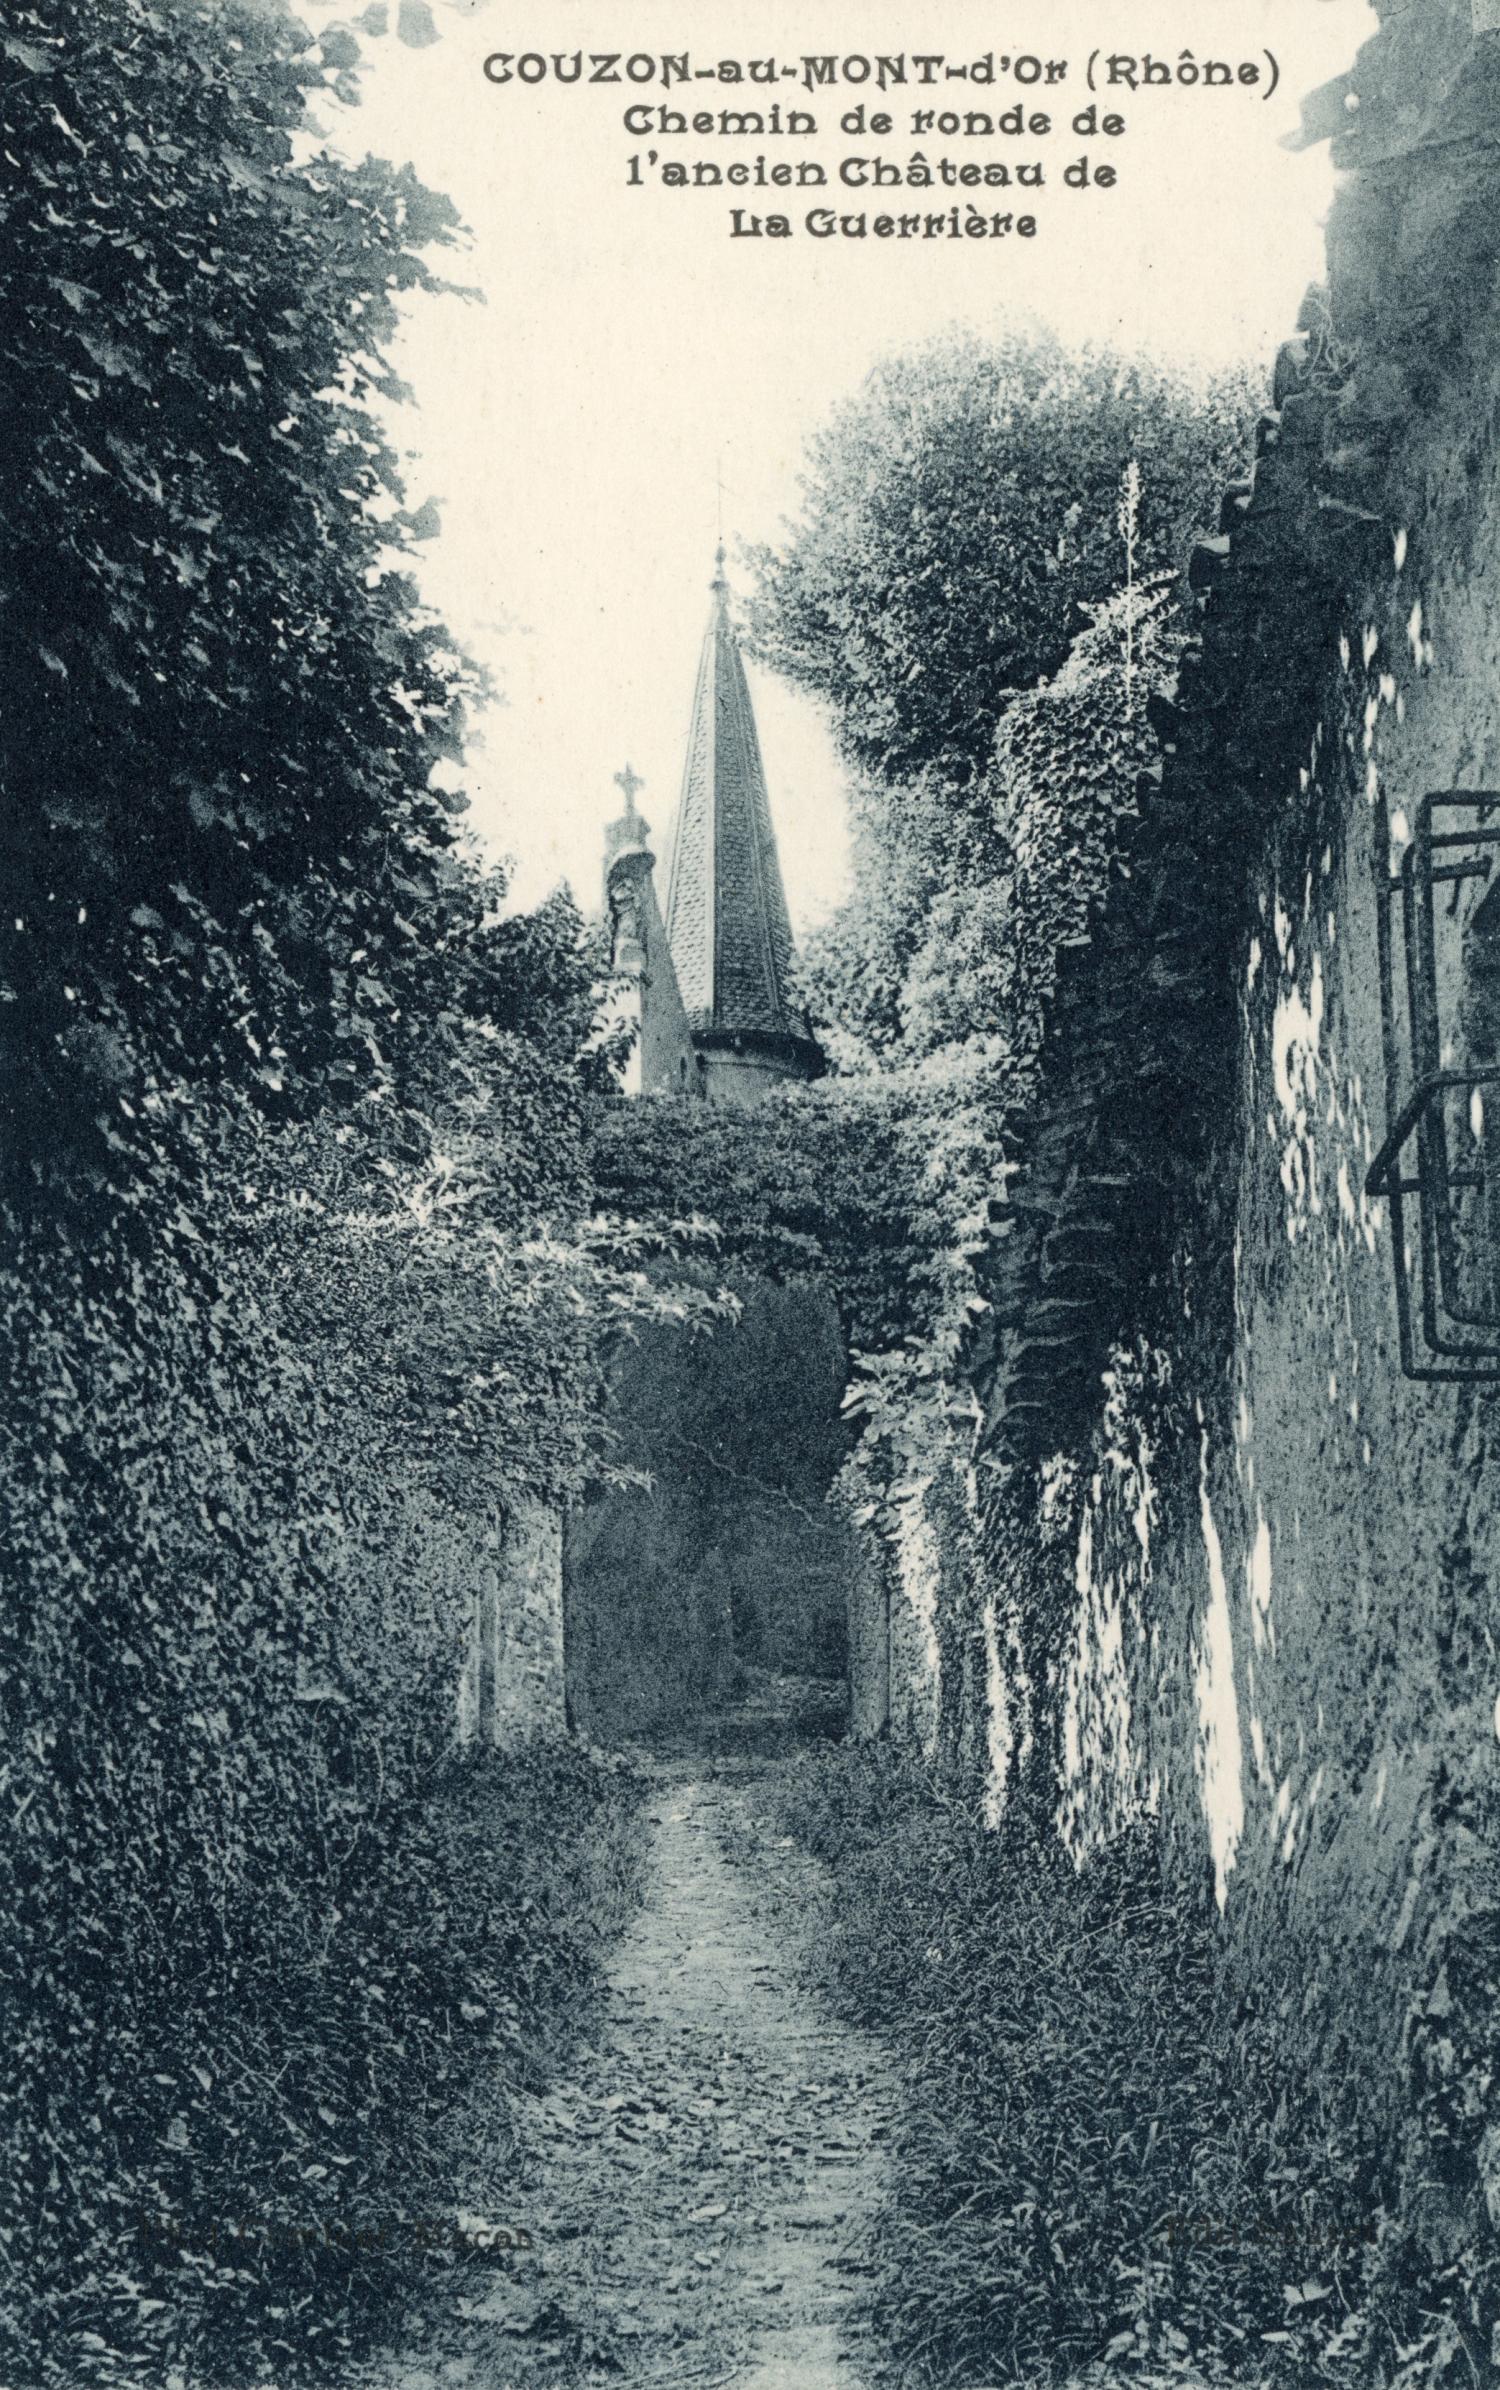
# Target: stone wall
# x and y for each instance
(1292, 1648)
(908, 1595)
(869, 1639)
(1254, 1597)
(510, 1687)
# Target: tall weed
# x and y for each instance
(1106, 2152)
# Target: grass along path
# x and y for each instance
(699, 2191)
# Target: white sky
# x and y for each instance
(572, 426)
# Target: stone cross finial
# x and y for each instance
(631, 785)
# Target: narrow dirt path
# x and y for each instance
(701, 2183)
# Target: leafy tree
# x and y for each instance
(964, 517)
(227, 867)
(958, 512)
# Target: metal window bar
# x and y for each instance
(1455, 844)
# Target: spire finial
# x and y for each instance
(718, 584)
(631, 785)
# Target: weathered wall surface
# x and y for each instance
(1274, 1563)
(1285, 1643)
(925, 1641)
(510, 1687)
(1318, 1557)
(1248, 1588)
(747, 1075)
(1331, 1591)
(869, 1640)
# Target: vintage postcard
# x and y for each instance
(750, 1194)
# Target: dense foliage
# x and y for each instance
(957, 512)
(250, 1940)
(1110, 2155)
(227, 867)
(1045, 824)
(962, 518)
(297, 1291)
(825, 1184)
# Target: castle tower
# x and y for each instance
(727, 922)
(666, 1591)
(661, 1061)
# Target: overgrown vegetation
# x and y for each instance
(894, 1182)
(340, 2084)
(301, 1295)
(221, 827)
(298, 1294)
(985, 585)
(1106, 2156)
(834, 1182)
(963, 519)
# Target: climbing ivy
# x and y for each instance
(825, 1183)
(227, 860)
(298, 1292)
(961, 521)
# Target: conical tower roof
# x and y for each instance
(727, 921)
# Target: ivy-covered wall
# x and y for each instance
(1247, 1590)
(298, 1295)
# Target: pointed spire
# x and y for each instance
(727, 919)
